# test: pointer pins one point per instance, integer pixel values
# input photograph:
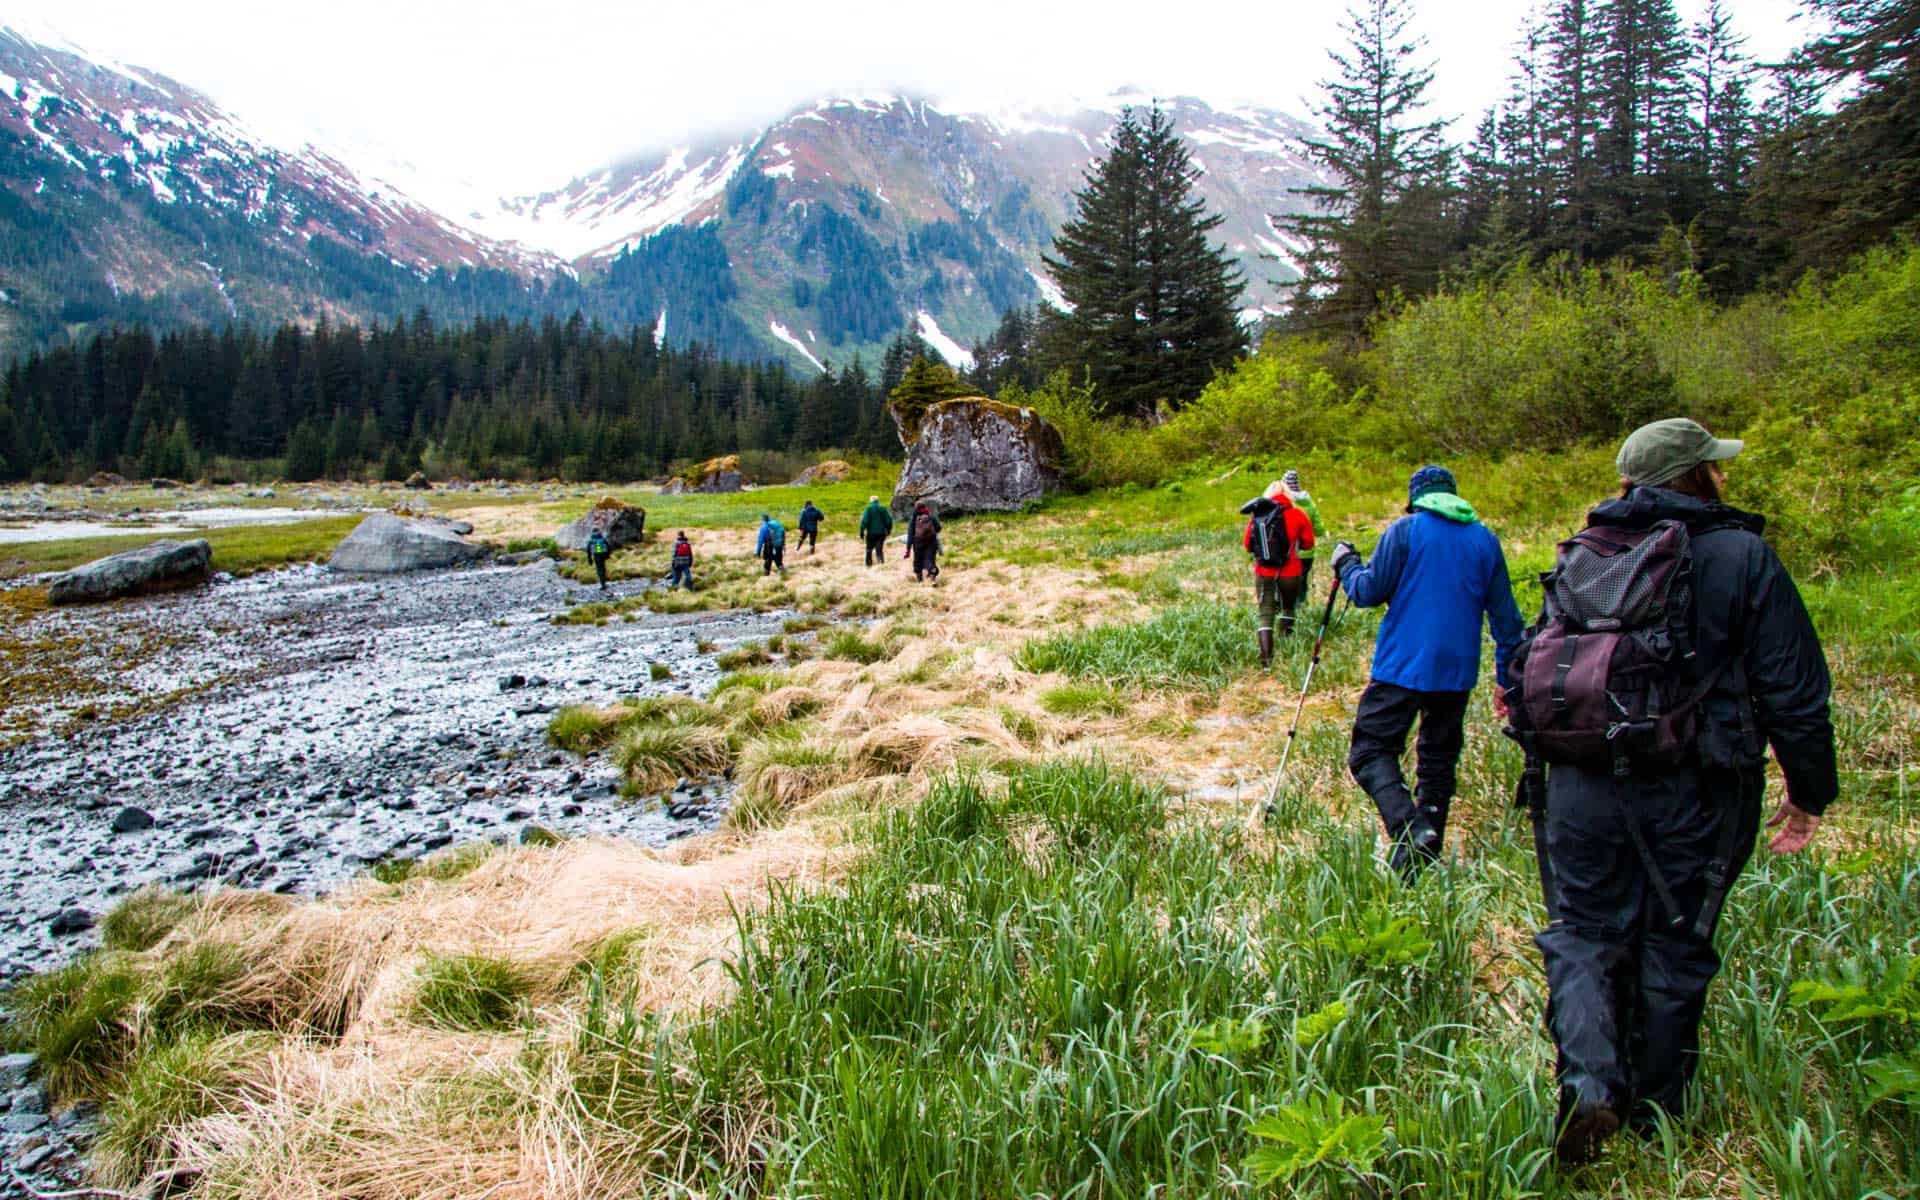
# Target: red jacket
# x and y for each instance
(1299, 529)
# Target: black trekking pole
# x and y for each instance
(1273, 791)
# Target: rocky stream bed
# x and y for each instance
(317, 724)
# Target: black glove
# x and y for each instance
(1342, 552)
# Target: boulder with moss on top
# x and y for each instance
(975, 454)
(712, 477)
(623, 524)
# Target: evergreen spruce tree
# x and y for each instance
(1642, 145)
(1376, 232)
(1845, 180)
(1153, 302)
(1571, 116)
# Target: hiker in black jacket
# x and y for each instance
(810, 526)
(923, 541)
(1629, 947)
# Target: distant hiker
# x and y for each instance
(1652, 708)
(923, 541)
(1305, 503)
(876, 522)
(1276, 534)
(599, 550)
(772, 545)
(1438, 571)
(682, 568)
(810, 526)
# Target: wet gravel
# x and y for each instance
(322, 724)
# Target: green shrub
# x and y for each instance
(470, 992)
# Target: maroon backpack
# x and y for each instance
(1606, 679)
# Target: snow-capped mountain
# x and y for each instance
(817, 237)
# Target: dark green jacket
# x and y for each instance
(876, 521)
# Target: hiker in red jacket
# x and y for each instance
(1276, 533)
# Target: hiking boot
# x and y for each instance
(1286, 626)
(1426, 833)
(1582, 1134)
(1266, 648)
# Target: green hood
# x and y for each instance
(1448, 505)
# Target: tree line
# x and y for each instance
(490, 398)
(1626, 137)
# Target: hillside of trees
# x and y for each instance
(491, 398)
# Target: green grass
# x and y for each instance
(240, 550)
(1199, 644)
(1083, 700)
(1140, 1005)
(470, 992)
(166, 1088)
(848, 645)
(143, 918)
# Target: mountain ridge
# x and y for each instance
(815, 237)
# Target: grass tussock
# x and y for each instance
(1084, 700)
(848, 645)
(655, 757)
(168, 1088)
(143, 918)
(471, 992)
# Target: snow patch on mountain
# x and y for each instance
(955, 354)
(785, 335)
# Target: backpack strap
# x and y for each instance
(1719, 874)
(1562, 667)
(1675, 918)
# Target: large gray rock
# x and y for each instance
(979, 455)
(385, 544)
(623, 524)
(157, 567)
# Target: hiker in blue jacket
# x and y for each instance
(1438, 571)
(771, 545)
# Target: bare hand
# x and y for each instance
(1796, 826)
(1500, 702)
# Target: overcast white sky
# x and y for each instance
(519, 95)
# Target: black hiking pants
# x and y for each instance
(924, 556)
(771, 557)
(876, 548)
(600, 569)
(810, 538)
(1380, 725)
(1626, 983)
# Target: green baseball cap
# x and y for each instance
(1665, 450)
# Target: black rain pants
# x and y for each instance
(1380, 725)
(1626, 981)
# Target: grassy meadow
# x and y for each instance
(986, 918)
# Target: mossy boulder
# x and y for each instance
(831, 471)
(624, 524)
(714, 476)
(974, 454)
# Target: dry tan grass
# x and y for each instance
(381, 1109)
